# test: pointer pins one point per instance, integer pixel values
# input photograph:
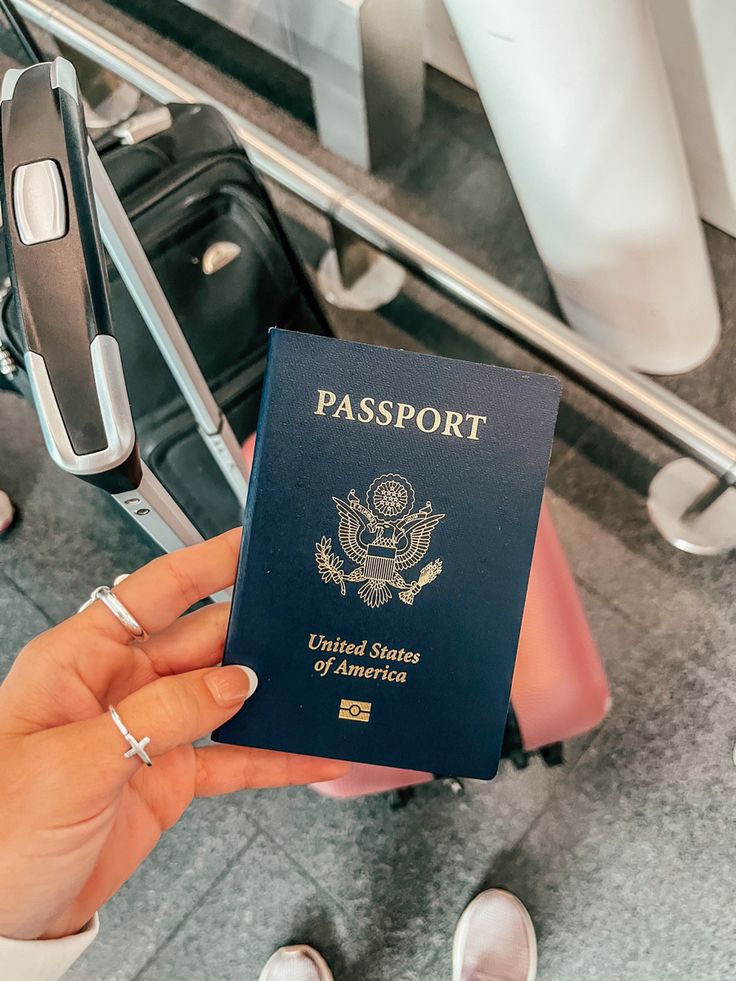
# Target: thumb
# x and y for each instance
(171, 711)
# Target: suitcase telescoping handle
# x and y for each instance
(126, 251)
(58, 272)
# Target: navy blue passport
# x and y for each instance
(387, 541)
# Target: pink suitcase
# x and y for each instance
(560, 689)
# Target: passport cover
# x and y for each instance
(387, 541)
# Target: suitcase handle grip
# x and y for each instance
(58, 272)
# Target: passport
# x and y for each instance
(387, 541)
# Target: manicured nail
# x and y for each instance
(231, 684)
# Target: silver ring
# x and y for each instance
(137, 747)
(118, 609)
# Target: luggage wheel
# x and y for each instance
(400, 798)
(513, 748)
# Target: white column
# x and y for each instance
(698, 40)
(578, 100)
(441, 46)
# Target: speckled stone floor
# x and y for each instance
(625, 855)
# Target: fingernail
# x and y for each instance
(231, 684)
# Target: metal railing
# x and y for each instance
(649, 403)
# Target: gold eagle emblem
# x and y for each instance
(383, 537)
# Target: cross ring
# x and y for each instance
(137, 747)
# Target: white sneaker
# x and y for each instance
(495, 940)
(297, 963)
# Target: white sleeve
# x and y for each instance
(44, 960)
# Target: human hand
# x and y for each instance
(76, 817)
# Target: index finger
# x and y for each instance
(158, 593)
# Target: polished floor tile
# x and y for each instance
(264, 901)
(190, 860)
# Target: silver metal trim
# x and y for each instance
(692, 509)
(154, 509)
(10, 80)
(135, 270)
(228, 454)
(116, 416)
(61, 73)
(39, 202)
(651, 404)
(107, 367)
(160, 517)
(64, 76)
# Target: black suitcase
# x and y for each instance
(192, 194)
